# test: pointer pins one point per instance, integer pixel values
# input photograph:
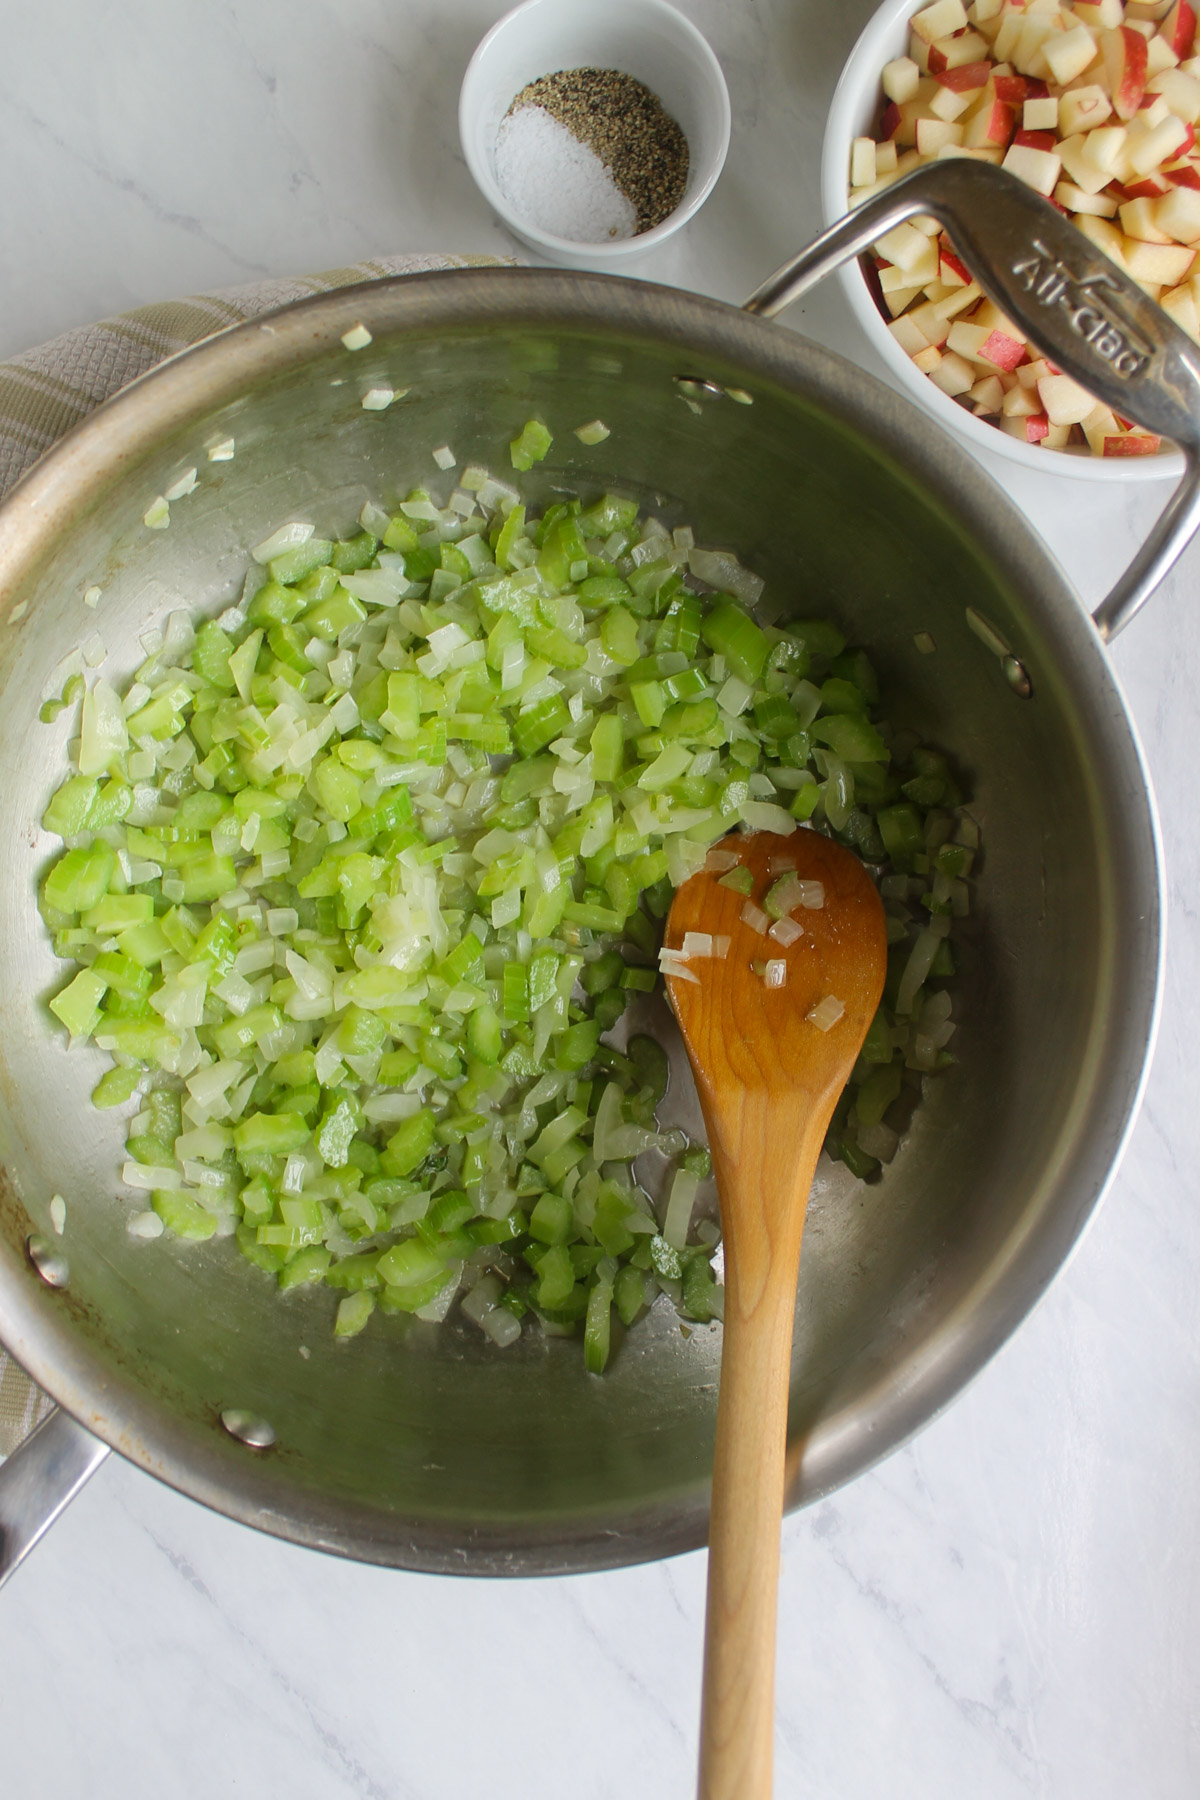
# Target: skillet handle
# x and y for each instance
(1092, 320)
(39, 1480)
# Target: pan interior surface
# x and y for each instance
(423, 1446)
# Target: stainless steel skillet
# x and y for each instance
(426, 1449)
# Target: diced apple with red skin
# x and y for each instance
(1159, 57)
(1006, 40)
(931, 134)
(1178, 215)
(1130, 443)
(1030, 373)
(910, 339)
(927, 360)
(1039, 169)
(965, 78)
(1037, 426)
(1068, 53)
(1063, 400)
(949, 105)
(958, 300)
(1079, 157)
(1082, 109)
(1138, 221)
(981, 345)
(1124, 53)
(1020, 403)
(1179, 28)
(901, 79)
(1028, 54)
(1040, 115)
(893, 279)
(987, 396)
(1150, 187)
(1074, 200)
(939, 20)
(912, 252)
(1149, 145)
(1180, 304)
(1181, 93)
(1101, 15)
(902, 298)
(993, 124)
(954, 376)
(1017, 89)
(1004, 351)
(952, 267)
(1099, 424)
(930, 323)
(1167, 264)
(956, 52)
(989, 315)
(1104, 148)
(1036, 140)
(1106, 236)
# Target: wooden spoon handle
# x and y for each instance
(737, 1727)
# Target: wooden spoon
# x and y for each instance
(768, 1079)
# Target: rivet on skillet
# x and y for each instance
(248, 1428)
(1017, 676)
(695, 387)
(49, 1262)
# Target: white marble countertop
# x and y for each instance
(1005, 1608)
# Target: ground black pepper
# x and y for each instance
(626, 125)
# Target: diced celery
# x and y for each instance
(551, 1220)
(411, 1143)
(556, 1277)
(306, 1267)
(66, 815)
(734, 635)
(80, 878)
(185, 1217)
(210, 657)
(409, 1263)
(353, 1313)
(293, 565)
(530, 445)
(618, 635)
(78, 1004)
(115, 1086)
(272, 1134)
(539, 725)
(850, 737)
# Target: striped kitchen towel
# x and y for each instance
(46, 391)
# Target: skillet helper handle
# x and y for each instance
(39, 1480)
(1090, 319)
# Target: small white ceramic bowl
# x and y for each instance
(644, 38)
(855, 113)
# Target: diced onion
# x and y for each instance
(826, 1013)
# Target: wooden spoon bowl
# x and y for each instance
(770, 1063)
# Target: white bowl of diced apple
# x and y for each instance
(1096, 106)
